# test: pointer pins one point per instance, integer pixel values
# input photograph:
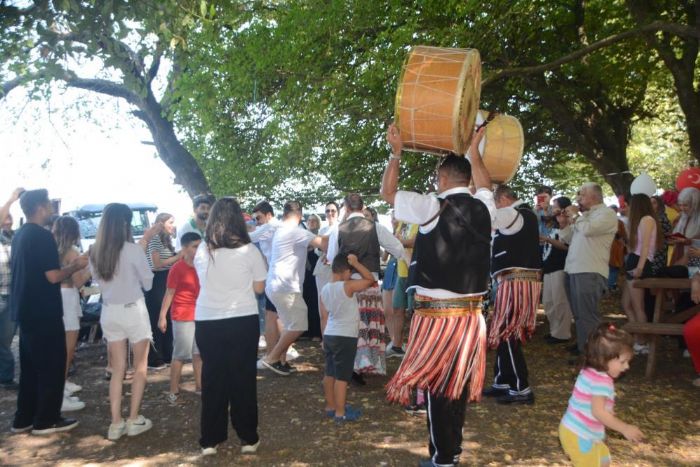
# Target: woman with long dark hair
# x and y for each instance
(161, 257)
(66, 231)
(646, 236)
(231, 271)
(121, 269)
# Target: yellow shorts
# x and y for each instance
(583, 452)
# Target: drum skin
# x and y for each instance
(438, 98)
(502, 146)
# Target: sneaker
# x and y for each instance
(292, 353)
(260, 365)
(641, 349)
(71, 404)
(210, 451)
(140, 425)
(72, 387)
(262, 343)
(63, 424)
(395, 352)
(24, 429)
(116, 430)
(156, 366)
(250, 448)
(350, 415)
(277, 367)
(172, 397)
(289, 367)
(415, 409)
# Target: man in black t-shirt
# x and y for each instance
(35, 303)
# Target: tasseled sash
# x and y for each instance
(515, 309)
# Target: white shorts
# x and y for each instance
(184, 343)
(129, 321)
(291, 311)
(71, 308)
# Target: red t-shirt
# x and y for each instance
(183, 278)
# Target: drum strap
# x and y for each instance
(490, 117)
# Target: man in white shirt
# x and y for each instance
(267, 224)
(285, 280)
(449, 272)
(201, 204)
(593, 228)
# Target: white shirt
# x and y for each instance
(343, 311)
(226, 277)
(385, 237)
(288, 259)
(132, 276)
(186, 227)
(262, 235)
(419, 209)
(593, 233)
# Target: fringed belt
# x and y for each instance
(517, 274)
(445, 308)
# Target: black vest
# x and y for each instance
(455, 254)
(359, 237)
(520, 250)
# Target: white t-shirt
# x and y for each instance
(343, 311)
(132, 276)
(288, 259)
(263, 235)
(226, 277)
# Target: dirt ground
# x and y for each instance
(294, 431)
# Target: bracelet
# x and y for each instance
(395, 157)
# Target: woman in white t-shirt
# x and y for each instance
(231, 271)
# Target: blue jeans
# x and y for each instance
(7, 333)
(612, 277)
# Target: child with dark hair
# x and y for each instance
(342, 328)
(180, 298)
(607, 353)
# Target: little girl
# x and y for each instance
(582, 429)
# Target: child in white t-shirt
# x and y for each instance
(340, 336)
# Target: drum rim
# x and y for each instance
(473, 58)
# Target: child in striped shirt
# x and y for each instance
(582, 429)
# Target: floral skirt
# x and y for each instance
(372, 339)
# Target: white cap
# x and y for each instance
(508, 221)
(643, 184)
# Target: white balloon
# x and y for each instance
(643, 184)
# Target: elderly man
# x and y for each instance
(449, 272)
(593, 229)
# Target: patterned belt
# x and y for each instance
(447, 307)
(517, 274)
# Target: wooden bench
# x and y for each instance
(663, 322)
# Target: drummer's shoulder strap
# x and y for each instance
(446, 202)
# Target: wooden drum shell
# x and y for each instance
(502, 146)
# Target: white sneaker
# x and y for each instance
(250, 448)
(262, 343)
(260, 366)
(210, 451)
(116, 431)
(140, 425)
(71, 404)
(172, 397)
(72, 388)
(292, 353)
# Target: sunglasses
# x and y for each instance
(331, 210)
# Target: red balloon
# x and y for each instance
(689, 177)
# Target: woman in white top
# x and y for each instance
(231, 271)
(121, 269)
(66, 231)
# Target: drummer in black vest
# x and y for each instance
(446, 353)
(516, 266)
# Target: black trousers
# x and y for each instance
(229, 351)
(162, 348)
(445, 422)
(42, 361)
(510, 368)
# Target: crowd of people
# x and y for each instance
(226, 285)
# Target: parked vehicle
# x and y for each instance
(89, 217)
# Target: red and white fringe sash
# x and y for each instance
(443, 354)
(515, 309)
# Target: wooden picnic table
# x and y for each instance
(664, 323)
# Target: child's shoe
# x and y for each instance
(137, 426)
(350, 415)
(116, 430)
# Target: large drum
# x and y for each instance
(502, 146)
(438, 98)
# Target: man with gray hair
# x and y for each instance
(593, 227)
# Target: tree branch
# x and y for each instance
(155, 66)
(13, 83)
(103, 86)
(673, 28)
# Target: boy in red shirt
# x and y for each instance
(180, 297)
